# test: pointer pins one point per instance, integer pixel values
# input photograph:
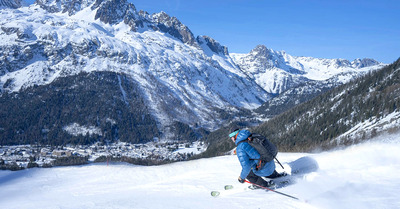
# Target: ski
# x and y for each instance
(272, 190)
(298, 169)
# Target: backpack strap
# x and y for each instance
(246, 140)
(241, 142)
(260, 163)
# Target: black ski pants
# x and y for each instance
(253, 178)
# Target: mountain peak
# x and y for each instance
(260, 50)
(213, 45)
(366, 62)
(116, 11)
(174, 27)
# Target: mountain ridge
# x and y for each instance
(277, 71)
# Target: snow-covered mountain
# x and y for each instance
(364, 107)
(161, 72)
(181, 78)
(277, 71)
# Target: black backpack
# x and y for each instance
(264, 147)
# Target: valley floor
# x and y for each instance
(360, 176)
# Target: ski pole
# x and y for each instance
(272, 190)
(279, 163)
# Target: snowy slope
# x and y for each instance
(360, 176)
(277, 71)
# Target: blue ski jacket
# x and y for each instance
(248, 157)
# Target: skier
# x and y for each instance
(248, 158)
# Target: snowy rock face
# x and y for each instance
(174, 27)
(10, 4)
(185, 81)
(117, 11)
(64, 6)
(182, 83)
(213, 45)
(277, 71)
(361, 63)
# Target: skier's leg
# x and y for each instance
(253, 178)
(276, 175)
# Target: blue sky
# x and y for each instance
(346, 29)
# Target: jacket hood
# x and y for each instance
(243, 135)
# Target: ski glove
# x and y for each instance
(241, 180)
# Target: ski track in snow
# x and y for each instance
(360, 176)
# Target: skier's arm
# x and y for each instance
(245, 162)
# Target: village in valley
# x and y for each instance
(28, 156)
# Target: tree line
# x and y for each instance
(313, 125)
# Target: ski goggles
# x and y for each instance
(233, 134)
